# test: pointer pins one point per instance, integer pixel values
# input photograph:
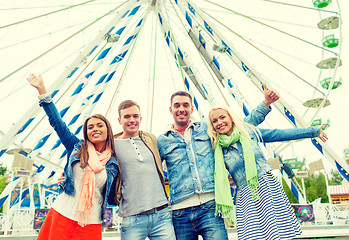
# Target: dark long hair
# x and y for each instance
(83, 153)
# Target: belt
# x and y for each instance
(154, 209)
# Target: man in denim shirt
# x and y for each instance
(187, 150)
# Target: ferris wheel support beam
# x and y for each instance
(183, 63)
(127, 48)
(218, 69)
(98, 59)
(209, 56)
(55, 46)
(183, 60)
(96, 93)
(66, 106)
(186, 63)
(39, 159)
(84, 80)
(47, 163)
(29, 116)
(288, 112)
(295, 190)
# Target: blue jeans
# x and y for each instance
(157, 225)
(191, 222)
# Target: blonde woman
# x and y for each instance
(262, 208)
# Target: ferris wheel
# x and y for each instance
(94, 54)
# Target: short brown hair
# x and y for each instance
(126, 104)
(182, 93)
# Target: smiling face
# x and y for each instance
(181, 110)
(130, 119)
(97, 132)
(221, 121)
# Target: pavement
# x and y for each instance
(309, 232)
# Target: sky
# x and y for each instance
(338, 133)
(18, 96)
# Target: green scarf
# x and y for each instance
(224, 202)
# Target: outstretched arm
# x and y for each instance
(279, 135)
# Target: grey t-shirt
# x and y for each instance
(141, 186)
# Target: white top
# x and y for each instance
(68, 205)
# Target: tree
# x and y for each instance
(289, 193)
(315, 186)
(3, 171)
(346, 153)
(336, 178)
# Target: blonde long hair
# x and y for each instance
(237, 122)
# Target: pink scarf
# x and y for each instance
(96, 163)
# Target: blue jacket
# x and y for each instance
(234, 159)
(190, 164)
(72, 145)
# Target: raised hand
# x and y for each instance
(37, 82)
(270, 95)
(323, 135)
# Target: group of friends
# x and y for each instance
(126, 170)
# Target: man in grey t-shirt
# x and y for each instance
(140, 189)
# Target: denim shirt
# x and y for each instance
(72, 145)
(190, 164)
(234, 159)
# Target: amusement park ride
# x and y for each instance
(218, 51)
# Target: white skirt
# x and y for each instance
(271, 217)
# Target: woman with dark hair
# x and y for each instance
(90, 175)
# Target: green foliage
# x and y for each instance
(346, 153)
(315, 186)
(336, 178)
(289, 193)
(3, 171)
(2, 183)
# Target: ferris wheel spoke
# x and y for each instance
(29, 116)
(46, 14)
(274, 28)
(52, 48)
(301, 6)
(218, 51)
(129, 44)
(276, 61)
